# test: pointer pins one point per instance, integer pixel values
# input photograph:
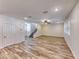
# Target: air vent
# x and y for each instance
(45, 12)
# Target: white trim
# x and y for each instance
(67, 39)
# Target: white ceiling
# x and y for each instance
(57, 9)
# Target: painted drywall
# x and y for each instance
(39, 32)
(11, 31)
(67, 34)
(67, 31)
(73, 39)
(53, 29)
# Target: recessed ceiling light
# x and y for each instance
(42, 21)
(56, 9)
(25, 18)
(48, 20)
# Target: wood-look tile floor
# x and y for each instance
(43, 47)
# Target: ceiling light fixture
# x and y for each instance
(25, 18)
(48, 20)
(56, 9)
(45, 21)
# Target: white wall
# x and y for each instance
(53, 30)
(38, 33)
(67, 31)
(73, 39)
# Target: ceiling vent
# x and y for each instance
(45, 12)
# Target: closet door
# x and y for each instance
(7, 34)
(1, 36)
(12, 33)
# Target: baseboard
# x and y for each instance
(69, 45)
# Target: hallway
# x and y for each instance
(39, 29)
(42, 47)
